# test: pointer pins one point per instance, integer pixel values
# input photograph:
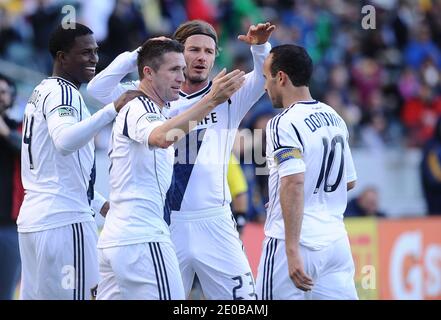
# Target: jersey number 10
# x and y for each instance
(328, 164)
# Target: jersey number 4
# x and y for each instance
(27, 138)
(328, 164)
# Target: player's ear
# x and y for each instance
(148, 72)
(281, 77)
(60, 56)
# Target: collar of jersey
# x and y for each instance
(64, 80)
(306, 102)
(196, 94)
(303, 102)
(167, 104)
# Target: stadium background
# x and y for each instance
(385, 82)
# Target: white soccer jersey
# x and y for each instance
(202, 157)
(58, 187)
(140, 176)
(310, 137)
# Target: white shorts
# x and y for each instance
(207, 244)
(142, 271)
(60, 263)
(331, 268)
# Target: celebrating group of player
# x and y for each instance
(168, 220)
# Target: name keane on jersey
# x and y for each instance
(320, 119)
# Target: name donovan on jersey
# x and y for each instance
(317, 120)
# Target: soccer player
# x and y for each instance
(57, 231)
(202, 228)
(306, 252)
(137, 257)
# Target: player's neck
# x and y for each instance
(150, 92)
(61, 74)
(296, 95)
(192, 87)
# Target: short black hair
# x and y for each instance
(63, 39)
(152, 53)
(294, 61)
(11, 85)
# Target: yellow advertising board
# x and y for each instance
(363, 236)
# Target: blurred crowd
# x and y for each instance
(385, 82)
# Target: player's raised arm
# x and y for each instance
(106, 86)
(257, 37)
(224, 86)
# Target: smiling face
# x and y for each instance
(81, 60)
(200, 53)
(168, 79)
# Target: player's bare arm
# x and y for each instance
(258, 34)
(224, 86)
(291, 200)
(350, 185)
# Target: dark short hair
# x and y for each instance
(194, 27)
(152, 53)
(11, 85)
(294, 61)
(63, 39)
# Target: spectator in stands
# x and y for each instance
(431, 171)
(11, 192)
(7, 33)
(365, 205)
(43, 21)
(419, 115)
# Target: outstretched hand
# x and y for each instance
(225, 85)
(258, 34)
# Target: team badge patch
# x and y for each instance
(65, 112)
(153, 117)
(286, 154)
